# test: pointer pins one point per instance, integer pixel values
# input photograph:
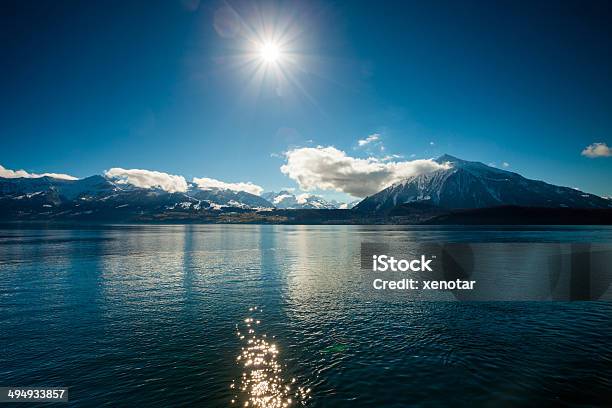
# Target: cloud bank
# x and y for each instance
(7, 173)
(205, 183)
(597, 150)
(148, 179)
(174, 183)
(328, 168)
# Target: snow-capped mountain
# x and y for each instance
(467, 185)
(54, 191)
(229, 198)
(287, 200)
(101, 196)
(460, 185)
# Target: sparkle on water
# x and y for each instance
(262, 383)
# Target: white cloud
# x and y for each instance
(7, 173)
(431, 143)
(148, 179)
(506, 164)
(391, 157)
(597, 150)
(61, 176)
(372, 138)
(205, 183)
(328, 168)
(280, 198)
(303, 198)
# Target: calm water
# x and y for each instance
(190, 315)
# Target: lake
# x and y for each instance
(221, 315)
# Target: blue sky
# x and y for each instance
(180, 87)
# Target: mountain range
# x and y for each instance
(460, 185)
(98, 196)
(287, 200)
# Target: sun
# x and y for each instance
(270, 52)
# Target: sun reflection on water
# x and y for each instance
(262, 383)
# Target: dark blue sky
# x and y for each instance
(169, 86)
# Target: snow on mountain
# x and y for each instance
(469, 184)
(287, 200)
(464, 185)
(229, 198)
(99, 194)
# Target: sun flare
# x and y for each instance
(267, 47)
(269, 52)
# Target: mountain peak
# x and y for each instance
(471, 184)
(448, 158)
